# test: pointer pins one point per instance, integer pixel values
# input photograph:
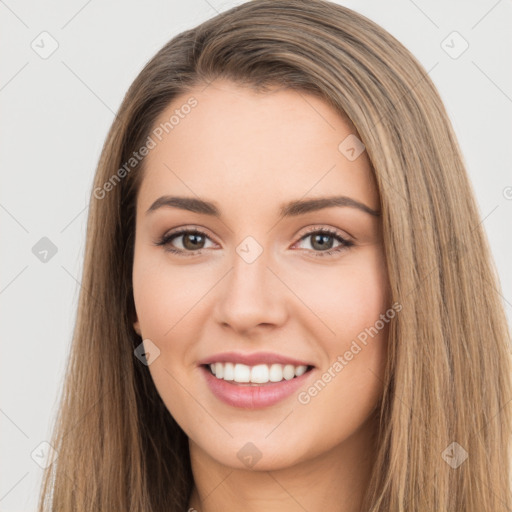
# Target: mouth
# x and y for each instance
(256, 375)
(255, 387)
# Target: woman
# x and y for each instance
(288, 301)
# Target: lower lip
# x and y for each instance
(252, 396)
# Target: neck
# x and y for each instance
(334, 480)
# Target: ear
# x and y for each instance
(136, 326)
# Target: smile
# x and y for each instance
(254, 387)
(258, 374)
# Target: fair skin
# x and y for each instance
(249, 153)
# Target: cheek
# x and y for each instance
(159, 307)
(361, 301)
(163, 300)
(362, 328)
(164, 295)
(348, 298)
(349, 385)
(355, 306)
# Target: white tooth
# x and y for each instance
(229, 371)
(242, 373)
(300, 370)
(289, 371)
(276, 373)
(259, 374)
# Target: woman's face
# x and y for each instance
(265, 288)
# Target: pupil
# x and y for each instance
(321, 240)
(193, 238)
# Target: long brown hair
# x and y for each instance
(445, 418)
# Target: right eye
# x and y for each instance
(192, 241)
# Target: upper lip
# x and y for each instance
(252, 359)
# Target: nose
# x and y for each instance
(251, 297)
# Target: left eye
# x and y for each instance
(324, 239)
(193, 241)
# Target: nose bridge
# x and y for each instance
(249, 280)
(251, 293)
(250, 266)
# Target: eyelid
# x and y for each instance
(345, 241)
(308, 230)
(187, 228)
(323, 227)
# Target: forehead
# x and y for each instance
(281, 144)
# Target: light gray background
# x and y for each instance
(55, 113)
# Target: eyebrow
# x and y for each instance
(291, 209)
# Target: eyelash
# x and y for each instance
(166, 239)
